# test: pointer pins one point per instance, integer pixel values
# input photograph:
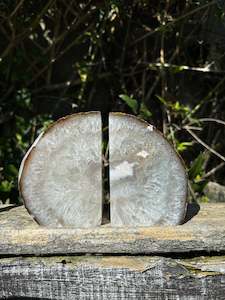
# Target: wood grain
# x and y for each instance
(123, 277)
(20, 235)
(113, 276)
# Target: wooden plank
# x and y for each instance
(20, 235)
(120, 277)
(16, 217)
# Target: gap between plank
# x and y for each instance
(105, 170)
(174, 255)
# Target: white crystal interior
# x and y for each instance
(61, 177)
(148, 184)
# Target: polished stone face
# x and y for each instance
(61, 177)
(148, 184)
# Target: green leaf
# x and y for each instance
(178, 107)
(204, 199)
(162, 100)
(11, 170)
(6, 186)
(144, 112)
(132, 103)
(197, 166)
(198, 187)
(183, 146)
(46, 124)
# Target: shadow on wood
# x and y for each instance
(7, 207)
(192, 210)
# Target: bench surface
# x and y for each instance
(205, 231)
(176, 262)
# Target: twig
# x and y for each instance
(212, 120)
(59, 55)
(203, 143)
(143, 82)
(194, 127)
(52, 53)
(213, 144)
(24, 34)
(17, 7)
(205, 69)
(214, 170)
(163, 27)
(150, 91)
(70, 83)
(209, 95)
(191, 191)
(57, 86)
(171, 127)
(162, 70)
(62, 36)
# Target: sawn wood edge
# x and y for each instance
(204, 232)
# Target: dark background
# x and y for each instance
(161, 60)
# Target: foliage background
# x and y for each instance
(161, 60)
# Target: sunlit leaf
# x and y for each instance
(6, 186)
(144, 112)
(183, 146)
(132, 103)
(162, 100)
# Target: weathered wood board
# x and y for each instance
(56, 275)
(120, 277)
(20, 235)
